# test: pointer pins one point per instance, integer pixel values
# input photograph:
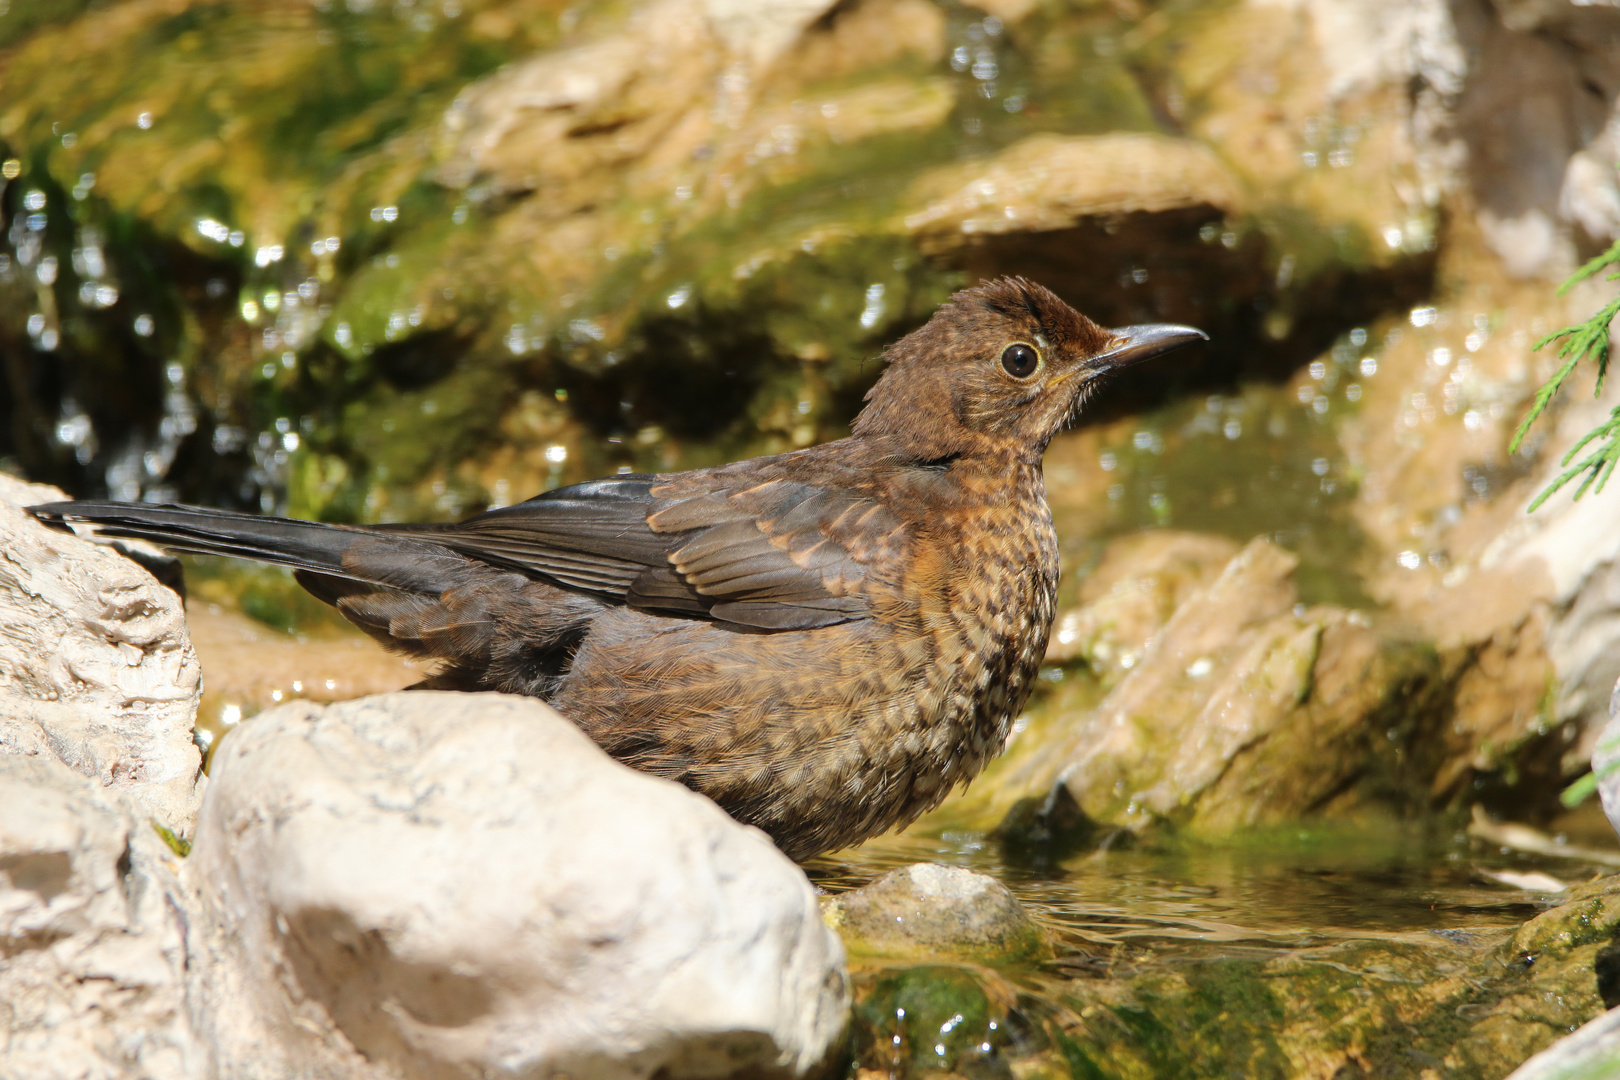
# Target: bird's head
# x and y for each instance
(1002, 367)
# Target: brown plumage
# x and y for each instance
(824, 642)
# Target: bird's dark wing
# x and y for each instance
(772, 555)
(592, 537)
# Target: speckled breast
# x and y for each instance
(1003, 612)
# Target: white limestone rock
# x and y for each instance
(1589, 1052)
(454, 885)
(96, 668)
(1606, 762)
(92, 953)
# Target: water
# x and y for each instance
(1250, 958)
(1285, 888)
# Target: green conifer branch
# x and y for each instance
(1587, 341)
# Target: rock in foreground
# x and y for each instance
(427, 884)
(96, 669)
(92, 942)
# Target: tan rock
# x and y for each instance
(865, 34)
(1048, 182)
(96, 669)
(1519, 605)
(92, 933)
(1243, 708)
(552, 123)
(1309, 104)
(1137, 586)
(1591, 1050)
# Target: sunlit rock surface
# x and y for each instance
(96, 669)
(1046, 182)
(1218, 700)
(1520, 605)
(1606, 761)
(927, 910)
(435, 884)
(92, 932)
(1134, 590)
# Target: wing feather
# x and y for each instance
(764, 555)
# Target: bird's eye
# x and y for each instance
(1020, 360)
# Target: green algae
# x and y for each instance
(930, 1019)
(19, 18)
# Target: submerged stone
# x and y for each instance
(928, 910)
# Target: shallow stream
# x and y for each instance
(1188, 960)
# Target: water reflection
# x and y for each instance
(1284, 889)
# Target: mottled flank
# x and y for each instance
(824, 642)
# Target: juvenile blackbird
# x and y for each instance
(824, 642)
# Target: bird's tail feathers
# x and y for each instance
(333, 552)
(302, 545)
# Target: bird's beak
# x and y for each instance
(1134, 344)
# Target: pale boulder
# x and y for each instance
(92, 946)
(96, 668)
(447, 885)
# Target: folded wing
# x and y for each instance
(761, 555)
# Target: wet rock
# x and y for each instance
(544, 124)
(1529, 168)
(1567, 550)
(1049, 182)
(928, 910)
(1317, 104)
(446, 884)
(96, 669)
(1373, 114)
(941, 1020)
(92, 938)
(1043, 831)
(1246, 707)
(1519, 605)
(1556, 954)
(1137, 586)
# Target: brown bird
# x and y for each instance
(824, 642)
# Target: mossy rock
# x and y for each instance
(931, 911)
